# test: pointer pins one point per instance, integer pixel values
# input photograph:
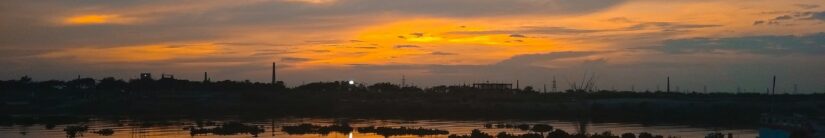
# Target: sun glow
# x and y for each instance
(95, 19)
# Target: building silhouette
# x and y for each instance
(493, 86)
(146, 76)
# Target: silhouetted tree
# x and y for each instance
(541, 128)
(628, 135)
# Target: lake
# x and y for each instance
(124, 128)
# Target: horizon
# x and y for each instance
(722, 45)
(516, 86)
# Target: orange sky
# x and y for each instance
(428, 39)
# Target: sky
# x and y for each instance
(721, 45)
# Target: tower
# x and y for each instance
(403, 81)
(274, 79)
(795, 88)
(705, 89)
(773, 87)
(554, 83)
(544, 90)
(205, 77)
(668, 83)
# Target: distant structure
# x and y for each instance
(554, 84)
(274, 79)
(517, 86)
(705, 89)
(668, 83)
(167, 76)
(544, 90)
(205, 77)
(146, 76)
(403, 81)
(795, 89)
(493, 86)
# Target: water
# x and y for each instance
(175, 128)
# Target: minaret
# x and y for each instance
(274, 79)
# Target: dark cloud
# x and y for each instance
(668, 26)
(366, 47)
(794, 16)
(295, 59)
(407, 46)
(531, 58)
(807, 6)
(555, 30)
(517, 35)
(438, 53)
(533, 30)
(30, 23)
(770, 45)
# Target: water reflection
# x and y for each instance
(335, 128)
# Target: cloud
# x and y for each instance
(794, 16)
(527, 59)
(771, 44)
(807, 6)
(544, 30)
(295, 59)
(517, 35)
(366, 47)
(407, 46)
(438, 53)
(557, 30)
(133, 53)
(668, 26)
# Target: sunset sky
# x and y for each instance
(721, 44)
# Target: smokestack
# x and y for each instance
(517, 86)
(773, 89)
(274, 79)
(403, 81)
(205, 77)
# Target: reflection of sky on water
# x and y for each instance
(125, 130)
